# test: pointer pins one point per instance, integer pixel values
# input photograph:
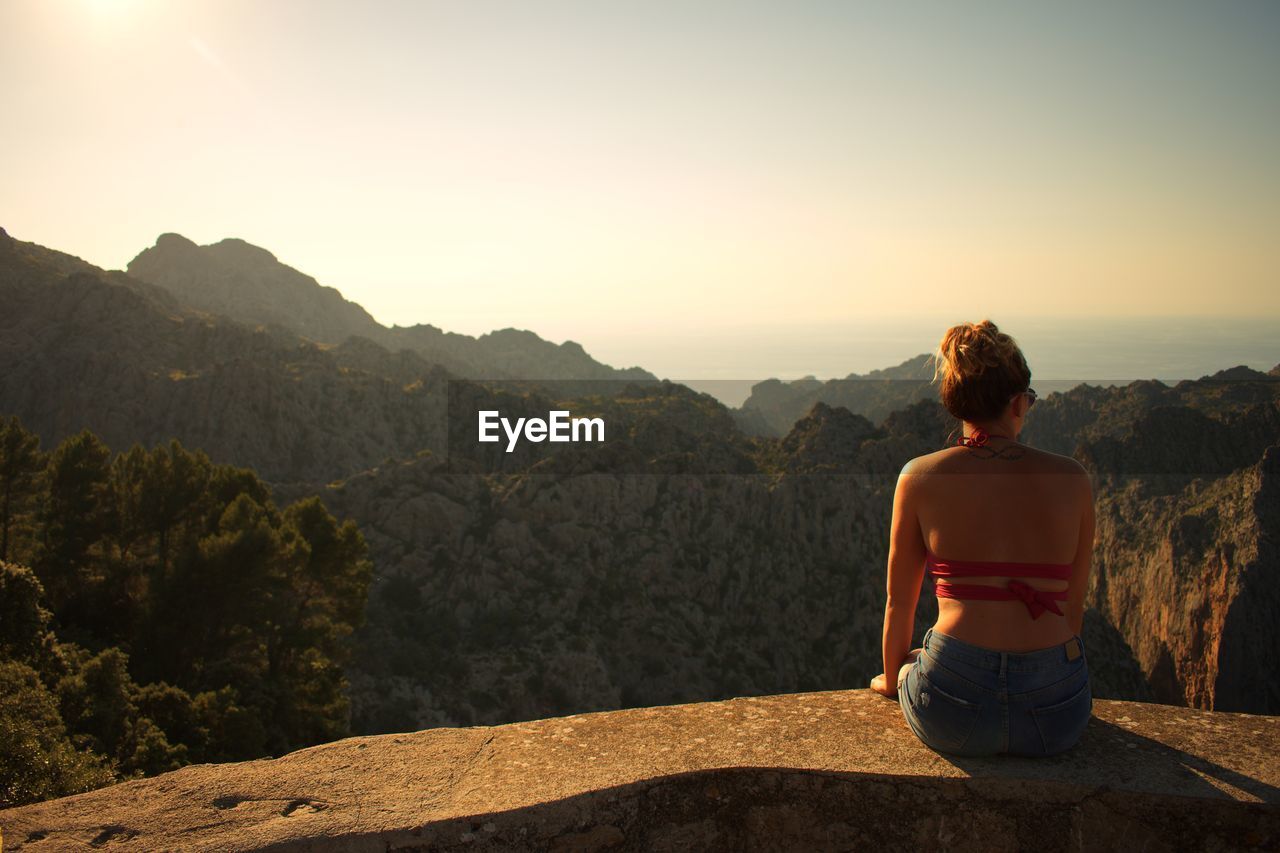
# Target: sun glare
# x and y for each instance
(111, 8)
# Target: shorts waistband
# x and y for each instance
(945, 645)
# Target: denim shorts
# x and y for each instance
(964, 699)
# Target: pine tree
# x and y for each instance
(20, 465)
(77, 512)
(322, 603)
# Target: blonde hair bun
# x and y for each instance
(980, 368)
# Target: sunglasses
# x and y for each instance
(1031, 395)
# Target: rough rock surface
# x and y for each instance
(817, 771)
(1188, 575)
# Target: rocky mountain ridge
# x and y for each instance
(84, 347)
(774, 405)
(248, 284)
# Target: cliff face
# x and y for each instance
(589, 589)
(1185, 568)
(836, 770)
(1191, 578)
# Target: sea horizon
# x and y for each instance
(1061, 351)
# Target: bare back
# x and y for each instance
(1006, 503)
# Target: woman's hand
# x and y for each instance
(881, 685)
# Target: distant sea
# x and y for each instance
(726, 362)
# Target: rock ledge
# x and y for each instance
(819, 771)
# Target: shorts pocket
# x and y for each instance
(945, 719)
(1062, 723)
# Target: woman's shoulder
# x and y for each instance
(952, 459)
(925, 463)
(1061, 463)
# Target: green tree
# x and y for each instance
(162, 498)
(20, 465)
(99, 705)
(236, 731)
(159, 495)
(76, 515)
(24, 622)
(320, 603)
(97, 701)
(37, 758)
(196, 621)
(220, 588)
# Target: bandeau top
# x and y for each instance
(1037, 601)
(980, 568)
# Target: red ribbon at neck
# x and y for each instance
(978, 438)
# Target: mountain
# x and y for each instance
(774, 405)
(247, 284)
(1138, 413)
(133, 362)
(85, 348)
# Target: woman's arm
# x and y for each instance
(905, 575)
(1078, 586)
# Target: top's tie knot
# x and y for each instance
(1037, 602)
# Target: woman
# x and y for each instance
(1007, 531)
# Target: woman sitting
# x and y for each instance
(1007, 533)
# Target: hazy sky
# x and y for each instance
(602, 171)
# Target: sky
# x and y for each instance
(644, 177)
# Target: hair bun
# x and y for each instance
(973, 354)
(969, 349)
